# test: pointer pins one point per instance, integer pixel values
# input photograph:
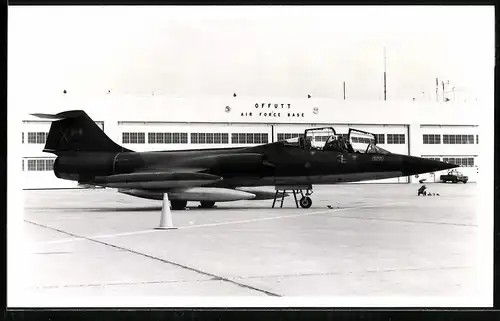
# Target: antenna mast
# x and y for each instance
(385, 74)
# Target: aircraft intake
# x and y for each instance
(214, 194)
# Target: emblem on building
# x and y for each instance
(228, 109)
(315, 110)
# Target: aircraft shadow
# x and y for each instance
(99, 209)
(158, 209)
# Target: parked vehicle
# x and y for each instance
(454, 176)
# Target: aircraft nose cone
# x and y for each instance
(417, 165)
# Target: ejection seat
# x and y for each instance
(336, 144)
(305, 142)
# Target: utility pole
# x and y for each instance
(437, 89)
(444, 97)
(385, 74)
(344, 89)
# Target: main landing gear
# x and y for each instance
(305, 200)
(178, 205)
(207, 204)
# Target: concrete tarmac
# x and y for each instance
(355, 240)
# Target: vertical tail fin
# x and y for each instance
(74, 131)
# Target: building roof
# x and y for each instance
(255, 110)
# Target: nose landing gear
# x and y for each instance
(305, 200)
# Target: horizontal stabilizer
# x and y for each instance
(60, 116)
(48, 116)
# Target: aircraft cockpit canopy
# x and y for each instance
(325, 138)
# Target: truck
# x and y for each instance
(454, 176)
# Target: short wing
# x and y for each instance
(186, 172)
(157, 180)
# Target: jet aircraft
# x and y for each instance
(85, 154)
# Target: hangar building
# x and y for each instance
(447, 132)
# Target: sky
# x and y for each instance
(194, 51)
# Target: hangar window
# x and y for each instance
(249, 138)
(49, 164)
(209, 138)
(37, 137)
(194, 138)
(39, 165)
(257, 139)
(460, 161)
(380, 138)
(167, 138)
(433, 158)
(134, 138)
(31, 164)
(321, 138)
(431, 139)
(23, 166)
(477, 139)
(364, 140)
(458, 139)
(395, 138)
(22, 137)
(176, 138)
(284, 136)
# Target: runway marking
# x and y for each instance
(221, 223)
(216, 277)
(103, 236)
(287, 216)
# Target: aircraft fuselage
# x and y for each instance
(281, 165)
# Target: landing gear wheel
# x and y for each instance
(178, 205)
(305, 202)
(207, 204)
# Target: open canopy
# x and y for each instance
(325, 138)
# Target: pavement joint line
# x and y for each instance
(162, 260)
(79, 238)
(353, 272)
(114, 284)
